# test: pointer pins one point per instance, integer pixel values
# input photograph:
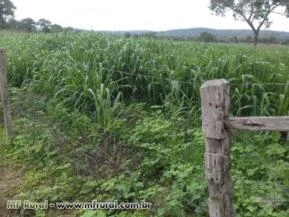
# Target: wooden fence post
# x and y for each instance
(215, 107)
(5, 95)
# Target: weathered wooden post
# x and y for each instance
(5, 95)
(215, 107)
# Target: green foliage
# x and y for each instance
(260, 181)
(89, 76)
(254, 13)
(6, 11)
(207, 37)
(117, 118)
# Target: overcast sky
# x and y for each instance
(132, 14)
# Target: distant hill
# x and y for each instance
(195, 32)
(223, 33)
(133, 32)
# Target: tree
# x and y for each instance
(6, 11)
(12, 24)
(44, 25)
(207, 37)
(254, 12)
(234, 39)
(28, 24)
(56, 28)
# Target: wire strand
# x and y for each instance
(193, 83)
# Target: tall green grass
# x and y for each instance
(120, 120)
(94, 73)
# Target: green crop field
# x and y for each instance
(103, 117)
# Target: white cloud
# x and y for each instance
(132, 14)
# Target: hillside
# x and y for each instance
(221, 33)
(195, 32)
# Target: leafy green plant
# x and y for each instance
(115, 118)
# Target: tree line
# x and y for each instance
(209, 37)
(7, 21)
(212, 38)
(30, 25)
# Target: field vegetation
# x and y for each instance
(114, 118)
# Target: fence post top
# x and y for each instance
(215, 107)
(216, 82)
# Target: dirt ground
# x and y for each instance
(10, 179)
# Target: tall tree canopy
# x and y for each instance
(6, 11)
(254, 12)
(44, 25)
(28, 24)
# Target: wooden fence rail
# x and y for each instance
(215, 124)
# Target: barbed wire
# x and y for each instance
(247, 83)
(261, 83)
